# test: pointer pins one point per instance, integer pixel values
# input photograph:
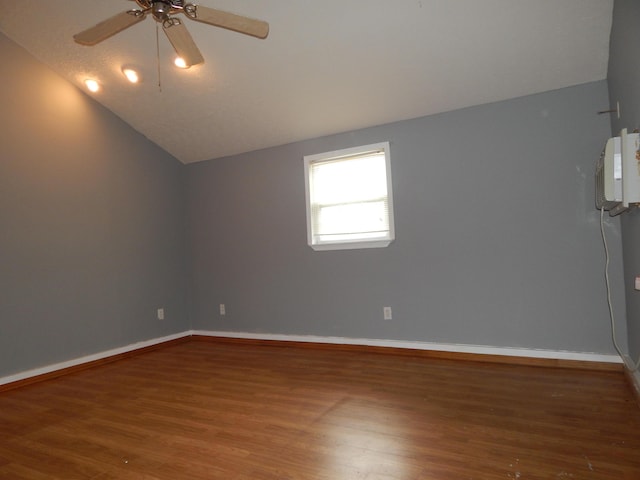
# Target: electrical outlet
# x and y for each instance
(223, 310)
(386, 312)
(161, 314)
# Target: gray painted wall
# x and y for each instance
(624, 86)
(497, 243)
(92, 224)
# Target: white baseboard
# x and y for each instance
(89, 358)
(440, 347)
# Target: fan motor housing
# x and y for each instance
(164, 6)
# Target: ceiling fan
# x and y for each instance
(162, 12)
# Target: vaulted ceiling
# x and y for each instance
(327, 66)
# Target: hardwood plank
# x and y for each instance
(634, 383)
(411, 352)
(88, 365)
(239, 411)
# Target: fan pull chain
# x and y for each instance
(158, 57)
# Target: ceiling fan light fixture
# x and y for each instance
(131, 74)
(165, 12)
(92, 85)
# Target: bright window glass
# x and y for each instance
(349, 198)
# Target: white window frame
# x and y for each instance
(313, 239)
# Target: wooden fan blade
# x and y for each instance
(182, 42)
(109, 27)
(231, 21)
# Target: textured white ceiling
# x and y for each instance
(327, 66)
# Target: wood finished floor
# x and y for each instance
(203, 410)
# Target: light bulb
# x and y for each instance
(180, 63)
(92, 85)
(131, 75)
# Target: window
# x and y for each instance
(349, 201)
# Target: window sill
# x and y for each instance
(352, 245)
